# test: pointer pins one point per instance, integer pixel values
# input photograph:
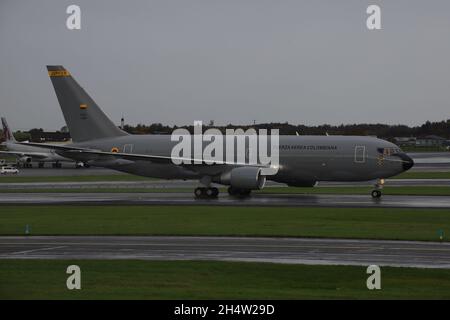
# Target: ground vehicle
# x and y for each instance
(6, 170)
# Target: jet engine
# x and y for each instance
(25, 159)
(248, 178)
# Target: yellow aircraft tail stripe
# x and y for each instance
(59, 73)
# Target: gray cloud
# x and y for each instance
(236, 61)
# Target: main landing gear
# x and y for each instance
(206, 193)
(376, 193)
(213, 192)
(56, 165)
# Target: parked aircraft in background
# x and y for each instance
(27, 154)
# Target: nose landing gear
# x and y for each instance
(376, 193)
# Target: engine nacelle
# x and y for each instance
(25, 159)
(244, 178)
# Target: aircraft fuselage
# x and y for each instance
(303, 160)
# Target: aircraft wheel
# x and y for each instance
(376, 194)
(206, 192)
(211, 192)
(199, 192)
(40, 164)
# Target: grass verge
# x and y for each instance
(367, 223)
(130, 177)
(80, 178)
(423, 175)
(130, 279)
(403, 190)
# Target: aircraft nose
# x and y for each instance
(407, 162)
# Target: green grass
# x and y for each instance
(404, 190)
(423, 175)
(80, 178)
(130, 177)
(111, 189)
(129, 279)
(367, 223)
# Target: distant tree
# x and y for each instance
(384, 131)
(22, 136)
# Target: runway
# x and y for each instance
(276, 250)
(185, 199)
(167, 184)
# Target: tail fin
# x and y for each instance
(83, 117)
(9, 137)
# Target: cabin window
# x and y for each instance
(360, 154)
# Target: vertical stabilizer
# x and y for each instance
(86, 121)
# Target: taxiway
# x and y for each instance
(263, 199)
(277, 250)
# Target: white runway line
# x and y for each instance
(36, 250)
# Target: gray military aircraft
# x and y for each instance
(303, 160)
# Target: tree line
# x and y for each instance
(441, 128)
(385, 131)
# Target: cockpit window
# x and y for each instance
(389, 151)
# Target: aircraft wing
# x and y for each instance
(82, 154)
(36, 155)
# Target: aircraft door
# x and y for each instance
(360, 154)
(128, 148)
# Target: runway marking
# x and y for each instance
(35, 250)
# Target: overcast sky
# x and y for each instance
(234, 61)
